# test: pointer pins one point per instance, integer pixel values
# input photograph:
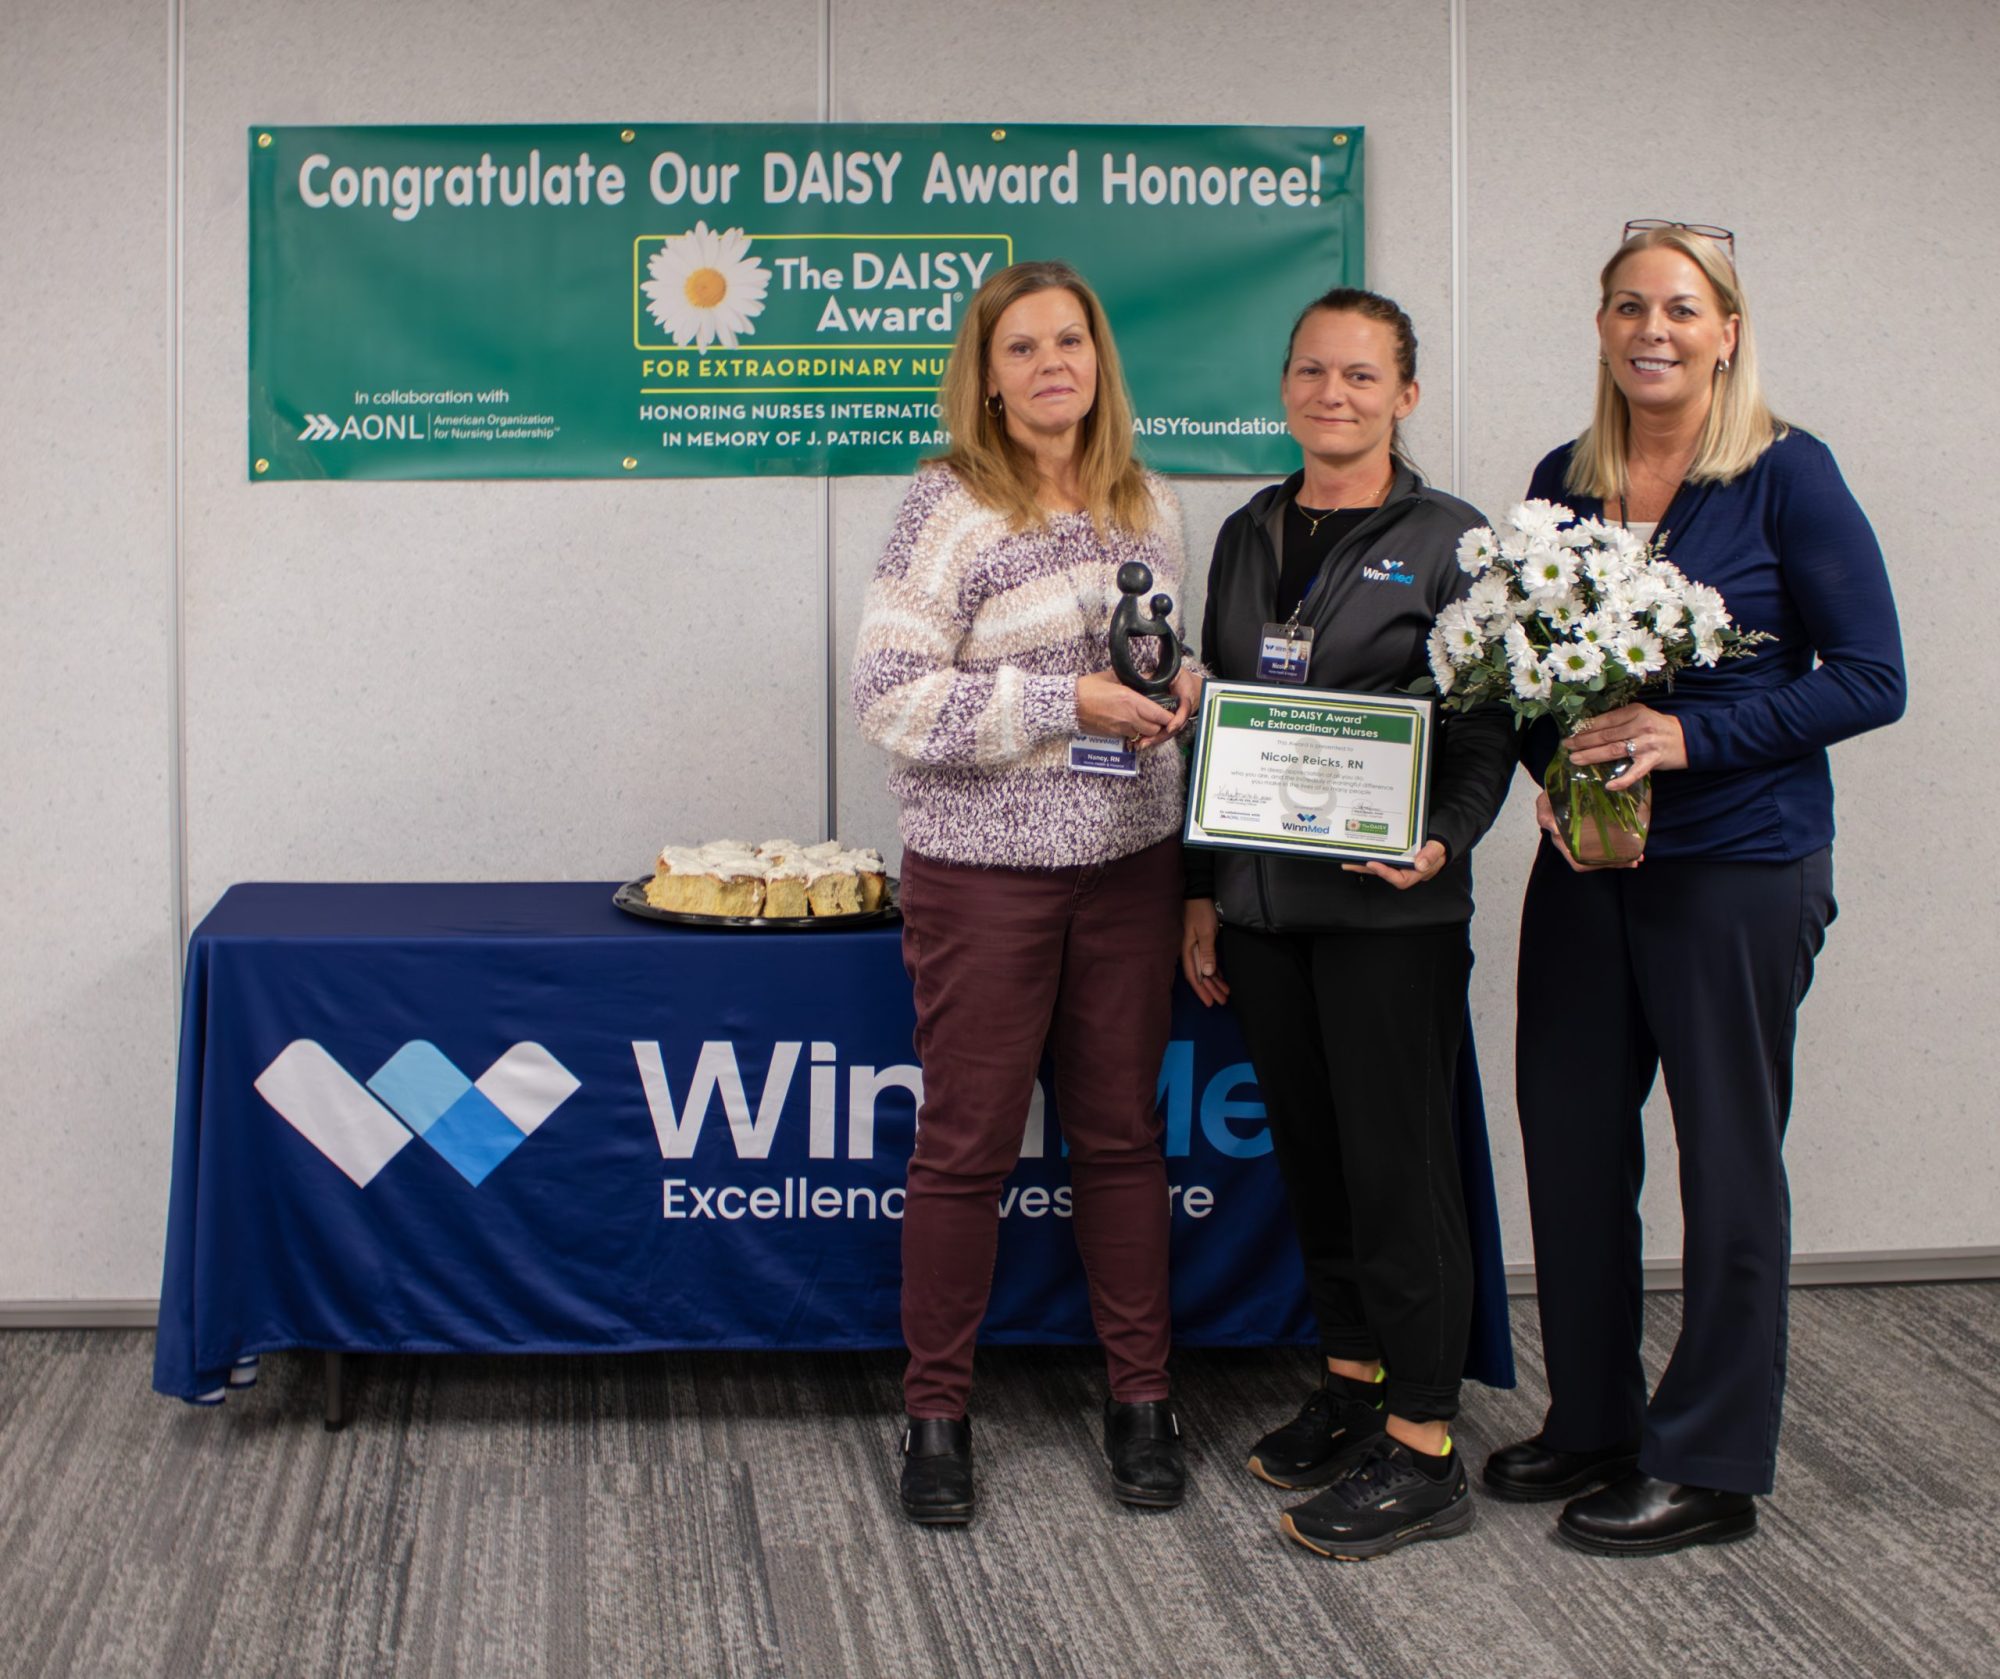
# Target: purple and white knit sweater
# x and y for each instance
(966, 670)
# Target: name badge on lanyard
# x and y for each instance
(1285, 652)
(1102, 755)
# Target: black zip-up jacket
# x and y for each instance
(1371, 611)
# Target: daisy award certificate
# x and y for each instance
(1310, 772)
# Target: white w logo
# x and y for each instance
(474, 1126)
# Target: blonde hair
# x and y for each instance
(998, 472)
(1739, 427)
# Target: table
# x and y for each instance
(510, 1118)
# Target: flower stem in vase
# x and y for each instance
(1600, 826)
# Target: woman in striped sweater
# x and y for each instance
(1041, 867)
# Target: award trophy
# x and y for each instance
(1134, 579)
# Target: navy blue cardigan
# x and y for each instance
(1793, 554)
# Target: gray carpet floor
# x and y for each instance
(735, 1514)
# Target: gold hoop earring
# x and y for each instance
(995, 406)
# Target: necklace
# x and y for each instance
(1313, 524)
(1624, 510)
(1667, 481)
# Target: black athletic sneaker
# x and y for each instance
(1381, 1500)
(1309, 1450)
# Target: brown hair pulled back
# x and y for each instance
(1373, 306)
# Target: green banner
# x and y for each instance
(735, 299)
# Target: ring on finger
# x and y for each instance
(1631, 749)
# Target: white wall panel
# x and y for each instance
(864, 510)
(479, 680)
(86, 964)
(1282, 62)
(1852, 150)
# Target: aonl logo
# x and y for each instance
(367, 428)
(417, 1092)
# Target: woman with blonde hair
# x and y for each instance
(1700, 956)
(1041, 864)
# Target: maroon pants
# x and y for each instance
(1003, 961)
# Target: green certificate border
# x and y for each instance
(1215, 694)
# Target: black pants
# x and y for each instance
(1697, 969)
(1355, 1039)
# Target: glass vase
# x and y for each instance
(1600, 827)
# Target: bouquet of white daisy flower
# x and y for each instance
(1572, 618)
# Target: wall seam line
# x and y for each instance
(176, 559)
(829, 664)
(1458, 243)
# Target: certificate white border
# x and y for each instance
(1423, 711)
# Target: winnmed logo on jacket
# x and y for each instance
(417, 1092)
(1389, 571)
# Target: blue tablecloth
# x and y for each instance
(509, 1118)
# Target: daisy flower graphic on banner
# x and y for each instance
(704, 289)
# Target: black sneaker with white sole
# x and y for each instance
(1380, 1500)
(1337, 1417)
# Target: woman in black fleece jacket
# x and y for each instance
(1349, 980)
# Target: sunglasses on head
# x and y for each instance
(1720, 235)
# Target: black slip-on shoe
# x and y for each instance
(1143, 1442)
(1379, 1501)
(1530, 1471)
(1337, 1418)
(936, 1486)
(1638, 1516)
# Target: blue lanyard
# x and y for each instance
(1305, 599)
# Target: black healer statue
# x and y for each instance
(1134, 579)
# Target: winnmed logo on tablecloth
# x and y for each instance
(417, 1092)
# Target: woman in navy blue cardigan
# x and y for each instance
(1691, 964)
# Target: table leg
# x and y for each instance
(336, 1395)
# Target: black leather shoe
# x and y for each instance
(1529, 1471)
(1143, 1441)
(937, 1471)
(1641, 1517)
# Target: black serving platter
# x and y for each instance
(631, 898)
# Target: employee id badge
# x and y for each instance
(1284, 653)
(1102, 755)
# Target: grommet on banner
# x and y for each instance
(627, 136)
(263, 466)
(1340, 139)
(630, 463)
(264, 140)
(999, 134)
